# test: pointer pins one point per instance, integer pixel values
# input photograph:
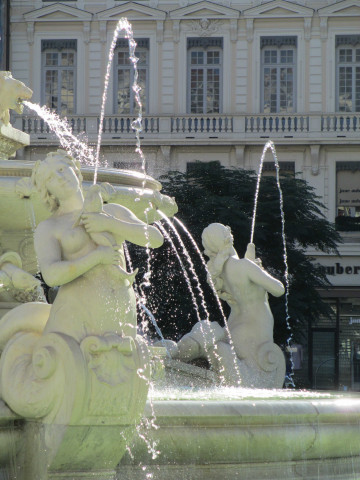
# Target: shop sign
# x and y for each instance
(339, 269)
(344, 272)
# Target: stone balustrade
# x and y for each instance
(195, 128)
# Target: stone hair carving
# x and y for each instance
(40, 176)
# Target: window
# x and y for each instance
(348, 196)
(128, 166)
(278, 61)
(125, 103)
(285, 168)
(59, 75)
(348, 73)
(204, 75)
(324, 366)
(200, 168)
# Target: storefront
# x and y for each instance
(333, 351)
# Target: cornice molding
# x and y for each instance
(133, 11)
(346, 8)
(283, 9)
(57, 12)
(206, 9)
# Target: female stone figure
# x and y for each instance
(78, 364)
(245, 353)
(95, 295)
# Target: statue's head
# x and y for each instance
(12, 94)
(43, 170)
(215, 238)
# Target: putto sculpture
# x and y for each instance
(244, 354)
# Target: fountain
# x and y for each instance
(74, 388)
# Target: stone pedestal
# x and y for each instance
(11, 140)
(82, 402)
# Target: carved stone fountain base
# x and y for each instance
(11, 140)
(80, 403)
(208, 438)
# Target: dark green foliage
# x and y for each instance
(212, 193)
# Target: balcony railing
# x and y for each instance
(121, 125)
(340, 123)
(37, 126)
(286, 124)
(234, 128)
(202, 124)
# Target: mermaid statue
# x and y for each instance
(78, 365)
(244, 353)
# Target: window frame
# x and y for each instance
(59, 46)
(278, 44)
(143, 45)
(205, 45)
(347, 42)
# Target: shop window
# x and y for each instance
(125, 103)
(348, 196)
(59, 75)
(348, 73)
(204, 75)
(278, 72)
(335, 345)
(323, 359)
(349, 351)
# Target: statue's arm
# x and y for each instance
(57, 271)
(259, 276)
(124, 225)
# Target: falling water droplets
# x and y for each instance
(62, 129)
(270, 146)
(226, 326)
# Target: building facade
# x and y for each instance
(218, 80)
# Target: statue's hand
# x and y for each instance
(5, 280)
(24, 281)
(109, 255)
(250, 252)
(95, 222)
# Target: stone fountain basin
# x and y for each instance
(19, 213)
(10, 435)
(251, 438)
(316, 437)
